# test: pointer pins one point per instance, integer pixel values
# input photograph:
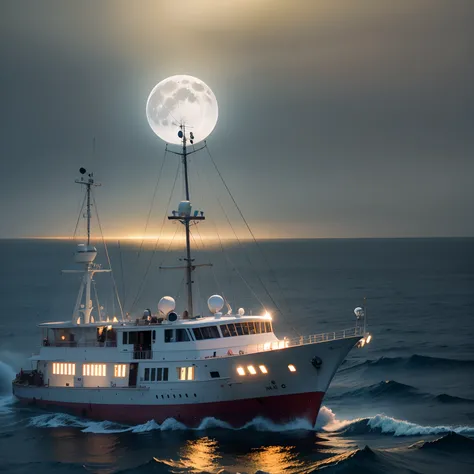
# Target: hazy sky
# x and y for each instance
(337, 118)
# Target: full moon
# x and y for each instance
(182, 100)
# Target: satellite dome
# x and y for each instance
(85, 253)
(241, 311)
(215, 303)
(166, 305)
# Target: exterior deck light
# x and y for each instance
(292, 368)
(240, 371)
(251, 369)
(263, 369)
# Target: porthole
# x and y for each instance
(186, 395)
(179, 395)
(174, 396)
(162, 396)
(168, 396)
(195, 395)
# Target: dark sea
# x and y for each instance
(402, 404)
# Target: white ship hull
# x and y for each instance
(279, 395)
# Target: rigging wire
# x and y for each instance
(251, 233)
(142, 284)
(79, 217)
(121, 271)
(231, 263)
(152, 201)
(107, 254)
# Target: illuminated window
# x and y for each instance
(94, 370)
(240, 371)
(292, 368)
(120, 370)
(251, 369)
(60, 368)
(263, 369)
(185, 373)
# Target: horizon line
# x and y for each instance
(164, 238)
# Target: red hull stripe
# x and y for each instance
(280, 409)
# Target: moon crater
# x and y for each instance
(182, 100)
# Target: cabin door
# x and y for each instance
(132, 375)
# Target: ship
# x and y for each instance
(228, 365)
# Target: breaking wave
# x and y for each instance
(7, 374)
(387, 425)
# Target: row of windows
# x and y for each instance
(94, 370)
(205, 332)
(246, 328)
(156, 374)
(60, 368)
(253, 371)
(88, 370)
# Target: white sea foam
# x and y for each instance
(57, 420)
(327, 422)
(405, 428)
(7, 374)
(392, 426)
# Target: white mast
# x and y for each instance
(186, 218)
(85, 254)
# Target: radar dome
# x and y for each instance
(166, 305)
(241, 311)
(215, 303)
(85, 253)
(359, 312)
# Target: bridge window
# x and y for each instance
(214, 374)
(120, 370)
(185, 373)
(232, 330)
(182, 335)
(94, 370)
(60, 368)
(206, 332)
(177, 335)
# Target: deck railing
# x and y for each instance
(326, 336)
(79, 344)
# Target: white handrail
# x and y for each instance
(326, 336)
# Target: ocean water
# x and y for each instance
(402, 404)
